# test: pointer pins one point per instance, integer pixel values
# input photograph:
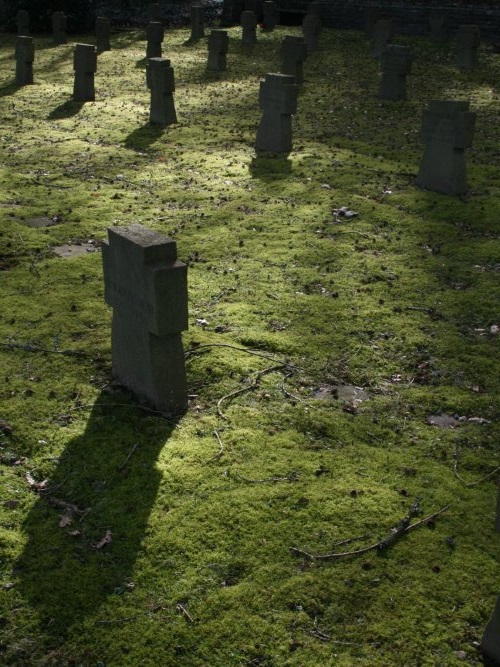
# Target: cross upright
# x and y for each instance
(154, 36)
(383, 32)
(162, 85)
(249, 27)
(102, 33)
(85, 66)
(25, 55)
(468, 40)
(59, 28)
(147, 288)
(447, 130)
(218, 44)
(197, 22)
(278, 101)
(294, 52)
(396, 65)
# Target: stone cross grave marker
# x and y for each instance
(249, 28)
(162, 85)
(371, 16)
(294, 52)
(218, 45)
(154, 36)
(197, 22)
(396, 65)
(23, 22)
(491, 638)
(103, 33)
(154, 13)
(468, 40)
(311, 29)
(438, 25)
(85, 66)
(270, 15)
(383, 33)
(447, 130)
(59, 28)
(25, 55)
(146, 286)
(278, 101)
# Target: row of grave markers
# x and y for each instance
(447, 126)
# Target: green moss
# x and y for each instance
(202, 512)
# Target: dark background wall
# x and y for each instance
(411, 16)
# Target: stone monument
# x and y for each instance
(23, 22)
(85, 66)
(102, 33)
(154, 13)
(162, 85)
(197, 22)
(468, 40)
(277, 101)
(383, 33)
(371, 16)
(218, 45)
(438, 25)
(270, 15)
(311, 29)
(396, 65)
(154, 36)
(294, 52)
(146, 286)
(491, 638)
(447, 130)
(59, 28)
(25, 55)
(249, 28)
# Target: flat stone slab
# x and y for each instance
(41, 221)
(347, 393)
(69, 250)
(443, 420)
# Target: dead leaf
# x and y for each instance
(34, 485)
(11, 504)
(66, 520)
(107, 539)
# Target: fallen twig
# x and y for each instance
(221, 448)
(397, 531)
(319, 634)
(456, 457)
(249, 387)
(194, 350)
(291, 477)
(184, 612)
(121, 467)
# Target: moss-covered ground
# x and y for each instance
(131, 539)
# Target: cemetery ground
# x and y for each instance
(343, 369)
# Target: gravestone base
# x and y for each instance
(443, 169)
(151, 366)
(392, 86)
(274, 134)
(491, 639)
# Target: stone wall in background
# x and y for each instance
(409, 17)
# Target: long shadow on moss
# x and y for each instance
(65, 110)
(144, 136)
(9, 89)
(84, 534)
